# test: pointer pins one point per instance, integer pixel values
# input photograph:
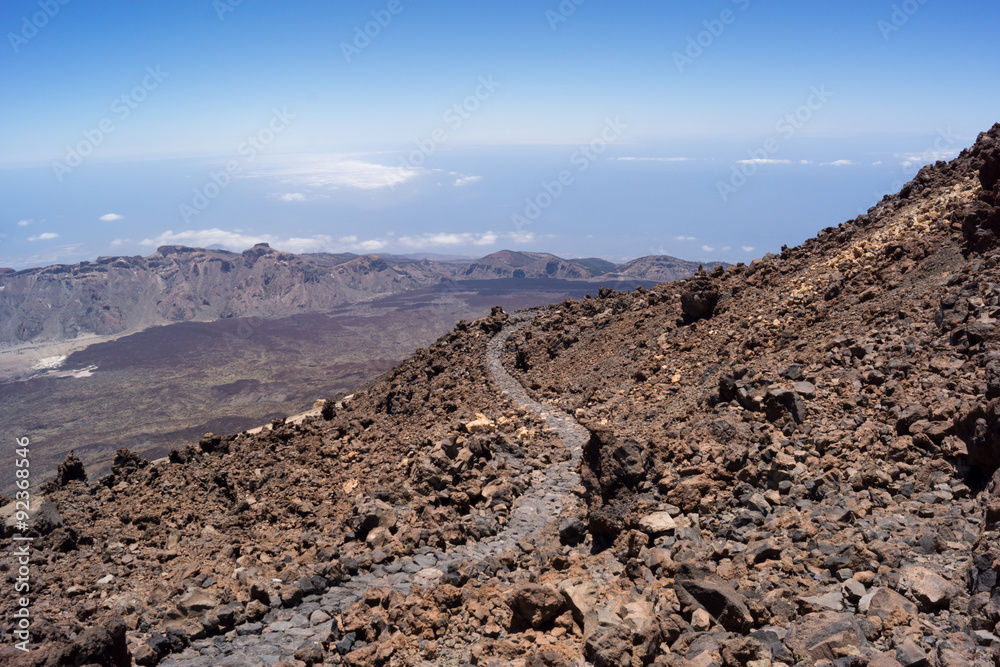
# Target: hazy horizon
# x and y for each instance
(714, 132)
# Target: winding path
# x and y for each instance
(285, 630)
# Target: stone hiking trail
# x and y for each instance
(285, 630)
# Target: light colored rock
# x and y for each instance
(197, 601)
(853, 590)
(638, 614)
(600, 617)
(581, 596)
(832, 601)
(929, 590)
(428, 576)
(481, 424)
(657, 523)
(42, 515)
(704, 659)
(378, 537)
(701, 620)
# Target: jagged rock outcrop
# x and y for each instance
(981, 218)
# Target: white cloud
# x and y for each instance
(875, 164)
(24, 223)
(443, 239)
(763, 161)
(464, 239)
(685, 238)
(296, 196)
(655, 159)
(238, 241)
(372, 245)
(928, 157)
(466, 180)
(47, 236)
(747, 248)
(111, 217)
(837, 163)
(805, 162)
(707, 248)
(118, 242)
(332, 171)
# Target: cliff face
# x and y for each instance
(174, 284)
(178, 284)
(792, 462)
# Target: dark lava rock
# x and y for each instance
(697, 586)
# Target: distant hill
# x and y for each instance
(662, 268)
(511, 264)
(596, 265)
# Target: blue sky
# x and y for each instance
(711, 130)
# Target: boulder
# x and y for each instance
(310, 653)
(70, 470)
(374, 514)
(609, 646)
(697, 586)
(481, 424)
(825, 636)
(197, 601)
(536, 605)
(572, 531)
(909, 654)
(889, 606)
(929, 590)
(43, 516)
(832, 601)
(657, 523)
(699, 298)
(581, 597)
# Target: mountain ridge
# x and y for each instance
(120, 294)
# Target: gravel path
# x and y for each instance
(285, 630)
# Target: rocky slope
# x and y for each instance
(788, 463)
(177, 284)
